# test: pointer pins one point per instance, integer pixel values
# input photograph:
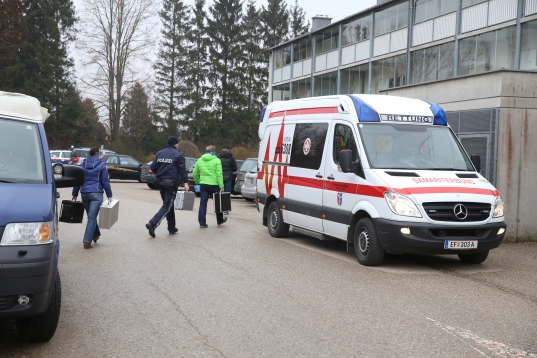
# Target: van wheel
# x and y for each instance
(276, 226)
(474, 258)
(58, 169)
(41, 328)
(366, 243)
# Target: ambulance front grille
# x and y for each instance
(445, 211)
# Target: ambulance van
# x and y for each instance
(30, 286)
(384, 173)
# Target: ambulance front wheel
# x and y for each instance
(474, 258)
(366, 243)
(276, 226)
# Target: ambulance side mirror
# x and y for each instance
(345, 161)
(476, 161)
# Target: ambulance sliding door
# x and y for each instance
(304, 189)
(340, 194)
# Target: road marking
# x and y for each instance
(496, 348)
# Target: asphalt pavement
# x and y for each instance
(234, 291)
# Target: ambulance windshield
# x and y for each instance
(413, 147)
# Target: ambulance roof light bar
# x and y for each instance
(439, 114)
(366, 113)
(263, 114)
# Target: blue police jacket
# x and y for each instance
(96, 177)
(169, 163)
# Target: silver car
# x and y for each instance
(249, 188)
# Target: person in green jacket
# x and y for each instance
(208, 175)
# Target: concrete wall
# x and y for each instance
(515, 93)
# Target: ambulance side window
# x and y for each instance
(308, 145)
(343, 139)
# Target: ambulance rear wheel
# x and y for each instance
(276, 226)
(366, 243)
(474, 258)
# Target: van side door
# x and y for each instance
(304, 189)
(340, 193)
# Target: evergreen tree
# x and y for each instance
(12, 31)
(196, 77)
(226, 37)
(137, 120)
(173, 60)
(298, 24)
(275, 20)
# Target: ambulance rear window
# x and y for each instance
(308, 145)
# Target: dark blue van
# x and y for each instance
(30, 288)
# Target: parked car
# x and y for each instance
(58, 159)
(249, 187)
(248, 165)
(122, 167)
(30, 286)
(235, 174)
(78, 154)
(147, 176)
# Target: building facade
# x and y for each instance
(399, 43)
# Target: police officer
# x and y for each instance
(168, 164)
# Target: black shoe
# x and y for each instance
(223, 221)
(173, 231)
(204, 226)
(151, 229)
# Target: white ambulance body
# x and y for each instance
(384, 173)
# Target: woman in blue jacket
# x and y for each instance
(92, 194)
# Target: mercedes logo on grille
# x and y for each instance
(460, 211)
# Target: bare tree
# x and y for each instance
(117, 36)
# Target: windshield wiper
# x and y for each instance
(449, 169)
(8, 181)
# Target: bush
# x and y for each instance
(242, 153)
(189, 149)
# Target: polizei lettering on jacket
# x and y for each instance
(164, 160)
(405, 118)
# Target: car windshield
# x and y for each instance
(191, 163)
(406, 146)
(248, 166)
(82, 153)
(21, 155)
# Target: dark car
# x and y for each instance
(78, 154)
(235, 174)
(147, 175)
(249, 164)
(122, 167)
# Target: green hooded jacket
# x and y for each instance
(208, 171)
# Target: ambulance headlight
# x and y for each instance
(498, 207)
(27, 234)
(401, 205)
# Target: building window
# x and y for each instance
(356, 30)
(486, 52)
(391, 18)
(433, 63)
(326, 40)
(302, 50)
(301, 88)
(281, 93)
(466, 3)
(354, 80)
(528, 46)
(282, 57)
(388, 73)
(428, 9)
(325, 85)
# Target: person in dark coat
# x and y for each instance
(168, 165)
(229, 165)
(92, 194)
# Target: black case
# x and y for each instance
(72, 212)
(222, 202)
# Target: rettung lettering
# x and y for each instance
(443, 180)
(405, 118)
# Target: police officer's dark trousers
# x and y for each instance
(167, 193)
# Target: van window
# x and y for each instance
(343, 139)
(308, 145)
(407, 146)
(21, 154)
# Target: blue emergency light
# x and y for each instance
(366, 113)
(263, 114)
(438, 113)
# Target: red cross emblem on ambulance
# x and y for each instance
(307, 146)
